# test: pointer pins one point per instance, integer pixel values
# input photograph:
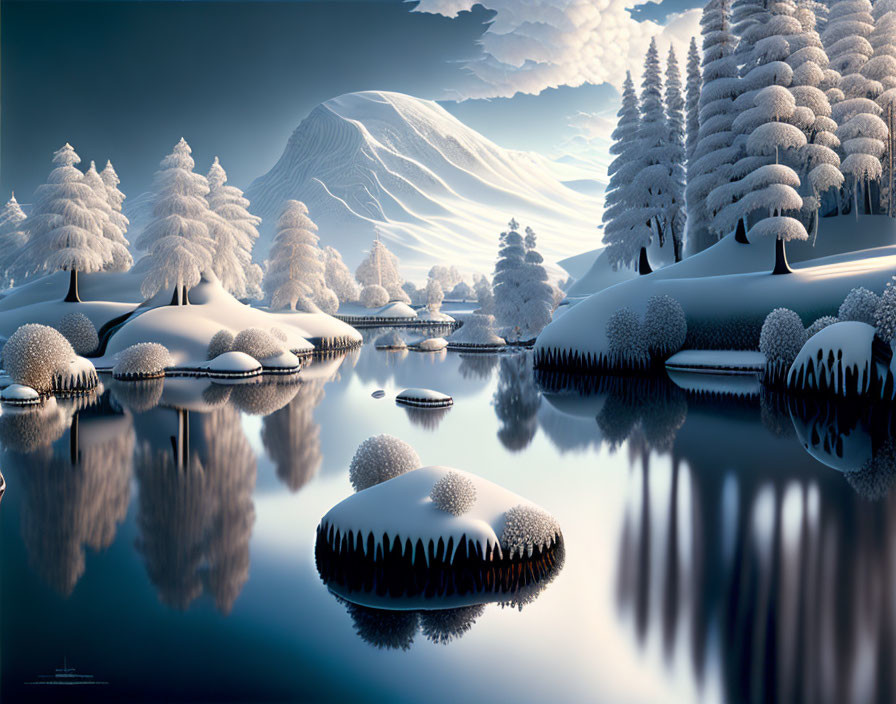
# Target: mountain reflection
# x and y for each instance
(75, 489)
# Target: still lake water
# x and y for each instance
(712, 552)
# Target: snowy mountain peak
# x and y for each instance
(433, 188)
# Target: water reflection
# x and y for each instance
(516, 401)
(292, 438)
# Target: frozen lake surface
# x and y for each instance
(718, 548)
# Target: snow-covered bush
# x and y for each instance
(462, 292)
(860, 305)
(781, 340)
(379, 459)
(79, 331)
(144, 360)
(417, 295)
(33, 354)
(665, 326)
(374, 296)
(221, 342)
(390, 341)
(279, 334)
(257, 343)
(477, 331)
(820, 324)
(454, 494)
(626, 339)
(885, 318)
(434, 295)
(527, 529)
(397, 293)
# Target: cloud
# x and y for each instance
(531, 45)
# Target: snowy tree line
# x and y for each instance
(787, 116)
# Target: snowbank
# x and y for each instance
(717, 361)
(837, 360)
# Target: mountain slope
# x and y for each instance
(434, 189)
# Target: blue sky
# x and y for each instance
(125, 80)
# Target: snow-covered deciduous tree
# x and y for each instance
(338, 277)
(113, 223)
(622, 170)
(675, 215)
(434, 295)
(447, 276)
(694, 86)
(234, 230)
(714, 153)
(296, 268)
(374, 296)
(380, 268)
(13, 236)
(417, 295)
(65, 229)
(462, 292)
(177, 240)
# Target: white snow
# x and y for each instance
(828, 356)
(401, 508)
(434, 316)
(19, 395)
(432, 344)
(717, 384)
(285, 362)
(233, 364)
(424, 398)
(716, 361)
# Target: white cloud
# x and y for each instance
(536, 44)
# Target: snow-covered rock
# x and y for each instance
(283, 363)
(391, 341)
(424, 398)
(76, 376)
(385, 163)
(837, 360)
(436, 316)
(431, 344)
(20, 395)
(233, 364)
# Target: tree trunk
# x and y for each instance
(72, 295)
(175, 297)
(781, 265)
(643, 264)
(740, 234)
(185, 299)
(74, 450)
(868, 209)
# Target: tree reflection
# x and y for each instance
(195, 511)
(516, 401)
(292, 438)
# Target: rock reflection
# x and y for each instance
(426, 418)
(75, 493)
(195, 512)
(292, 438)
(516, 401)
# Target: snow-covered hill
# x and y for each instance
(434, 189)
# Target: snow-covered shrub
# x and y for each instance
(781, 340)
(280, 334)
(454, 494)
(390, 341)
(626, 339)
(380, 458)
(257, 343)
(417, 295)
(327, 301)
(221, 342)
(885, 319)
(665, 326)
(820, 324)
(462, 292)
(79, 331)
(477, 331)
(397, 293)
(434, 295)
(860, 305)
(526, 529)
(144, 360)
(33, 353)
(374, 296)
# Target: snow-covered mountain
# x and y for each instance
(434, 189)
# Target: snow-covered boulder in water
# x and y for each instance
(477, 333)
(20, 395)
(431, 344)
(391, 341)
(837, 360)
(145, 360)
(424, 398)
(233, 364)
(75, 377)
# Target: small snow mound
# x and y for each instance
(20, 395)
(526, 529)
(145, 360)
(424, 398)
(397, 309)
(76, 376)
(233, 364)
(836, 360)
(283, 363)
(391, 341)
(477, 333)
(434, 316)
(454, 493)
(432, 344)
(379, 459)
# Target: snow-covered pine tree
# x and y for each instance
(882, 67)
(111, 220)
(861, 131)
(116, 199)
(676, 216)
(694, 85)
(485, 296)
(65, 230)
(714, 152)
(234, 230)
(622, 170)
(339, 278)
(508, 279)
(13, 236)
(536, 294)
(177, 240)
(296, 273)
(380, 268)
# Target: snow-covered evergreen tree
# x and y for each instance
(65, 230)
(177, 240)
(296, 272)
(13, 236)
(694, 86)
(509, 277)
(380, 268)
(676, 216)
(714, 152)
(338, 277)
(537, 296)
(234, 230)
(622, 170)
(116, 199)
(112, 222)
(485, 295)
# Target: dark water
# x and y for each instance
(718, 548)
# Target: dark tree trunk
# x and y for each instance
(740, 234)
(781, 265)
(185, 299)
(643, 264)
(867, 189)
(72, 295)
(175, 297)
(73, 448)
